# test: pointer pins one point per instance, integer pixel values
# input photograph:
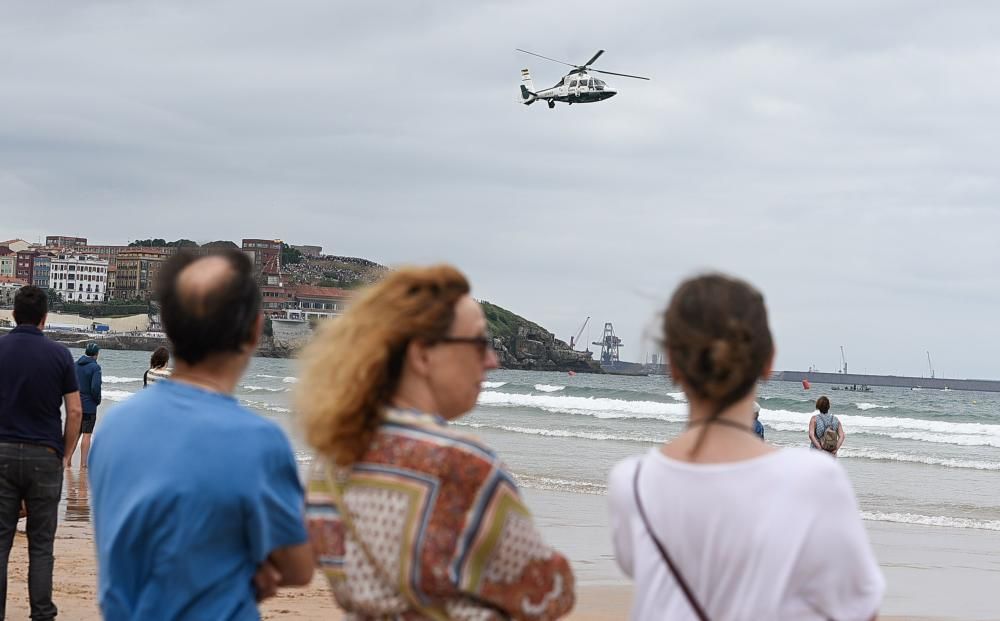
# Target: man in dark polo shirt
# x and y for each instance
(36, 377)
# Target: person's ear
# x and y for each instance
(256, 332)
(766, 374)
(417, 359)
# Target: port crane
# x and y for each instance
(609, 344)
(575, 340)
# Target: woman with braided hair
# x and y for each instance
(716, 524)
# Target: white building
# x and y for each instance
(79, 278)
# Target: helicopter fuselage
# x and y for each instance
(576, 87)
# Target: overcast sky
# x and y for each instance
(842, 156)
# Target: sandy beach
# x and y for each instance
(75, 581)
(75, 590)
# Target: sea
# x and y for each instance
(915, 457)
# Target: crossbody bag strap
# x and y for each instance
(337, 492)
(663, 551)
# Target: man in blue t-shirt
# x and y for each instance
(36, 378)
(197, 504)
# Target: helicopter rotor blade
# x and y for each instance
(591, 61)
(624, 75)
(547, 58)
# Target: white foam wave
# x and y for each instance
(930, 520)
(966, 434)
(252, 388)
(598, 407)
(565, 485)
(871, 406)
(290, 380)
(678, 396)
(113, 379)
(116, 395)
(548, 388)
(918, 459)
(494, 384)
(562, 433)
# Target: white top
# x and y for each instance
(775, 537)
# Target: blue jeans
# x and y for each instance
(33, 474)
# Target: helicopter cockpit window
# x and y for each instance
(572, 84)
(599, 85)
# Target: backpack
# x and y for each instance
(828, 441)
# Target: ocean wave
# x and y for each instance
(290, 380)
(493, 384)
(678, 396)
(548, 388)
(930, 520)
(871, 406)
(252, 388)
(113, 379)
(116, 395)
(866, 424)
(946, 462)
(562, 485)
(599, 407)
(562, 433)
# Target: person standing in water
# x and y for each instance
(716, 524)
(825, 430)
(157, 367)
(88, 375)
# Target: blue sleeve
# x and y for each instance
(276, 503)
(95, 386)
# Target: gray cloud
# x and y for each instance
(841, 156)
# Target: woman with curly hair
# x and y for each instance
(409, 518)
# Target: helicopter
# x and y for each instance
(577, 86)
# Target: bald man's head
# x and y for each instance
(209, 303)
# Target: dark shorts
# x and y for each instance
(89, 420)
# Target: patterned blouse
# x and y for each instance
(442, 516)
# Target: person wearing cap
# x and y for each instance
(88, 375)
(758, 428)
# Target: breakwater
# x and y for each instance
(897, 381)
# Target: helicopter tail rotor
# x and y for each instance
(528, 96)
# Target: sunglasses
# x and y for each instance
(483, 343)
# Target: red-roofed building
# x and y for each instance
(25, 265)
(274, 300)
(321, 302)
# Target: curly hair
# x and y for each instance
(718, 339)
(352, 367)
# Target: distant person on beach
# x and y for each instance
(36, 377)
(157, 367)
(379, 387)
(88, 375)
(758, 427)
(825, 431)
(716, 524)
(197, 504)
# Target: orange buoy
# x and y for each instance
(805, 384)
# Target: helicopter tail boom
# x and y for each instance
(528, 96)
